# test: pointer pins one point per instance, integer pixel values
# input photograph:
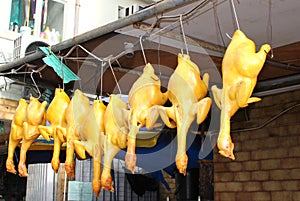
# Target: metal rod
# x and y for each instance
(100, 31)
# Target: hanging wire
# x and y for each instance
(217, 22)
(235, 14)
(142, 48)
(113, 73)
(37, 88)
(62, 71)
(79, 81)
(270, 28)
(158, 57)
(183, 35)
(101, 81)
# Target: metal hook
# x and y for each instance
(183, 35)
(37, 88)
(142, 48)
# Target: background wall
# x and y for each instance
(267, 165)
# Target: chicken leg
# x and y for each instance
(240, 68)
(35, 116)
(144, 94)
(16, 134)
(186, 91)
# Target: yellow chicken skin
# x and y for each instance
(240, 68)
(35, 116)
(75, 115)
(186, 91)
(92, 139)
(16, 134)
(116, 130)
(144, 94)
(56, 116)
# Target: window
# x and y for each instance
(37, 15)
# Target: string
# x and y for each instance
(270, 28)
(142, 48)
(113, 73)
(183, 35)
(235, 14)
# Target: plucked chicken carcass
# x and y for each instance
(75, 115)
(16, 134)
(35, 116)
(92, 139)
(240, 67)
(144, 94)
(186, 91)
(56, 116)
(116, 130)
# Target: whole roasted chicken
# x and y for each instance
(116, 130)
(144, 94)
(56, 116)
(75, 116)
(240, 67)
(16, 134)
(35, 116)
(186, 91)
(92, 139)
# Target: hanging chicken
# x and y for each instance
(56, 116)
(75, 114)
(144, 94)
(187, 92)
(116, 130)
(92, 139)
(35, 116)
(240, 67)
(16, 134)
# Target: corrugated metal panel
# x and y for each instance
(43, 184)
(40, 182)
(123, 191)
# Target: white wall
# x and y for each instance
(96, 13)
(5, 7)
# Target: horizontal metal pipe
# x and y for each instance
(282, 65)
(139, 16)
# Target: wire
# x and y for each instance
(217, 22)
(101, 82)
(37, 88)
(268, 121)
(235, 14)
(113, 73)
(270, 28)
(183, 35)
(62, 71)
(142, 48)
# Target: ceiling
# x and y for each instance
(264, 21)
(207, 26)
